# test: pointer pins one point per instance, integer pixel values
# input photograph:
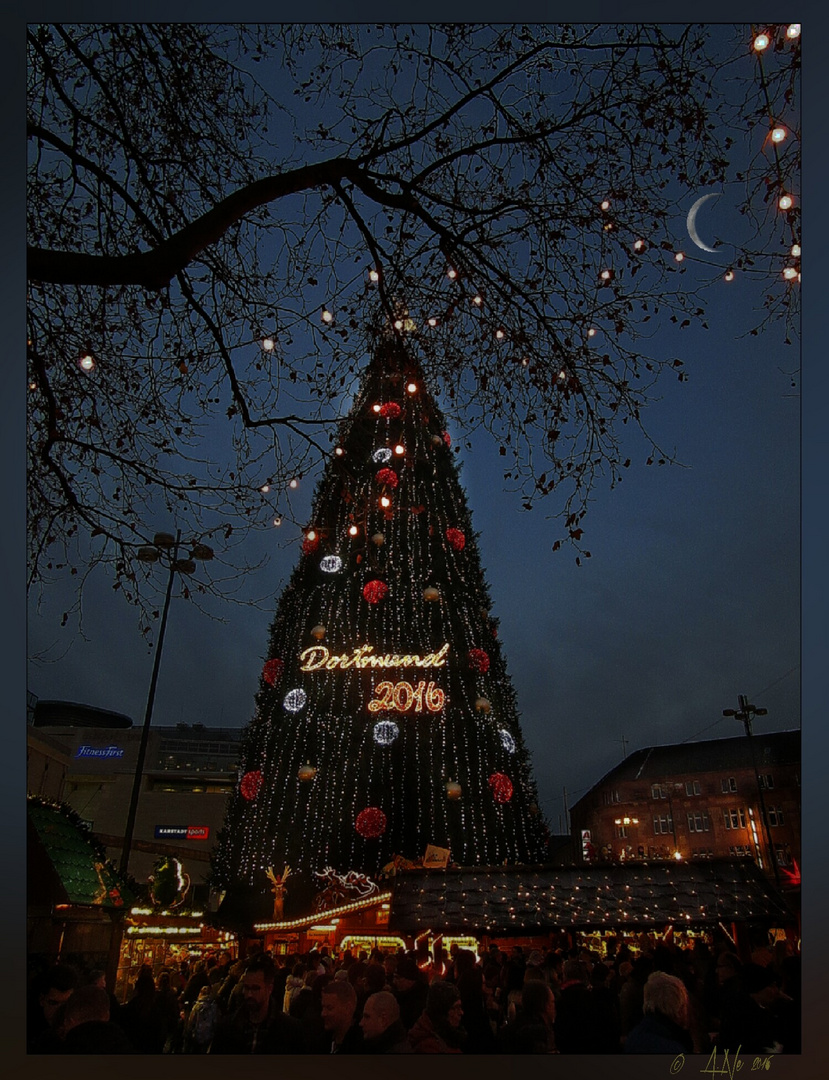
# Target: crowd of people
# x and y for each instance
(665, 999)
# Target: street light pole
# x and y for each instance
(746, 714)
(148, 714)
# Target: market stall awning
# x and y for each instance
(520, 899)
(66, 864)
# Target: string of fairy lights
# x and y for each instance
(389, 562)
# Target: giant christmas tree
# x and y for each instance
(385, 719)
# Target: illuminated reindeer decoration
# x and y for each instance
(343, 888)
(279, 891)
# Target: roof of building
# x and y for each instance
(520, 899)
(712, 755)
(74, 714)
(66, 865)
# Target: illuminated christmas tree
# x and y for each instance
(385, 719)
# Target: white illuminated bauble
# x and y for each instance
(605, 205)
(785, 202)
(412, 388)
(639, 245)
(591, 332)
(605, 275)
(277, 521)
(399, 449)
(318, 632)
(331, 564)
(451, 273)
(793, 31)
(339, 451)
(761, 42)
(499, 334)
(327, 317)
(352, 530)
(778, 134)
(382, 456)
(86, 363)
(311, 535)
(729, 275)
(265, 489)
(295, 700)
(432, 322)
(789, 273)
(796, 250)
(507, 740)
(398, 324)
(293, 485)
(679, 256)
(268, 344)
(373, 275)
(525, 361)
(477, 300)
(385, 732)
(385, 502)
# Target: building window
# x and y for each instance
(741, 851)
(621, 831)
(698, 822)
(663, 824)
(611, 797)
(729, 784)
(658, 792)
(782, 854)
(775, 815)
(766, 781)
(692, 787)
(734, 819)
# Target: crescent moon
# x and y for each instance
(691, 221)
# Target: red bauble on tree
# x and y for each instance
(501, 787)
(250, 784)
(272, 671)
(370, 823)
(388, 477)
(390, 411)
(479, 660)
(446, 438)
(374, 591)
(456, 539)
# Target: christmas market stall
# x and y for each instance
(75, 898)
(546, 906)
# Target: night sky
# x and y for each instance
(690, 596)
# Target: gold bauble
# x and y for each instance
(306, 772)
(318, 632)
(453, 790)
(378, 539)
(483, 705)
(431, 593)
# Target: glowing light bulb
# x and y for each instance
(789, 273)
(265, 489)
(353, 530)
(605, 205)
(562, 374)
(399, 449)
(451, 273)
(778, 134)
(277, 521)
(310, 535)
(412, 388)
(679, 256)
(294, 484)
(375, 408)
(477, 300)
(385, 502)
(268, 344)
(729, 275)
(86, 362)
(608, 226)
(33, 386)
(793, 30)
(373, 276)
(796, 250)
(639, 245)
(785, 202)
(499, 334)
(432, 322)
(591, 332)
(327, 317)
(339, 451)
(525, 362)
(605, 275)
(761, 42)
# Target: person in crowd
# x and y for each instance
(87, 1028)
(632, 994)
(302, 1000)
(339, 1007)
(98, 978)
(196, 981)
(439, 1030)
(145, 1018)
(752, 1019)
(533, 1029)
(664, 1026)
(258, 1026)
(604, 1012)
(49, 993)
(383, 1033)
(410, 989)
(202, 1022)
(574, 1032)
(293, 984)
(470, 983)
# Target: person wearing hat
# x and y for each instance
(751, 1019)
(410, 989)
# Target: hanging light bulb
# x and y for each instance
(311, 535)
(499, 334)
(353, 530)
(793, 30)
(729, 275)
(789, 273)
(339, 451)
(761, 42)
(400, 449)
(268, 344)
(796, 250)
(639, 245)
(432, 322)
(86, 362)
(385, 501)
(376, 408)
(591, 332)
(679, 256)
(525, 361)
(785, 202)
(605, 205)
(398, 324)
(265, 489)
(294, 484)
(451, 273)
(778, 134)
(373, 276)
(477, 300)
(411, 388)
(606, 275)
(327, 316)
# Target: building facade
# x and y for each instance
(189, 771)
(722, 798)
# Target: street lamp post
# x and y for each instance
(746, 714)
(162, 542)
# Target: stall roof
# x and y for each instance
(522, 898)
(67, 863)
